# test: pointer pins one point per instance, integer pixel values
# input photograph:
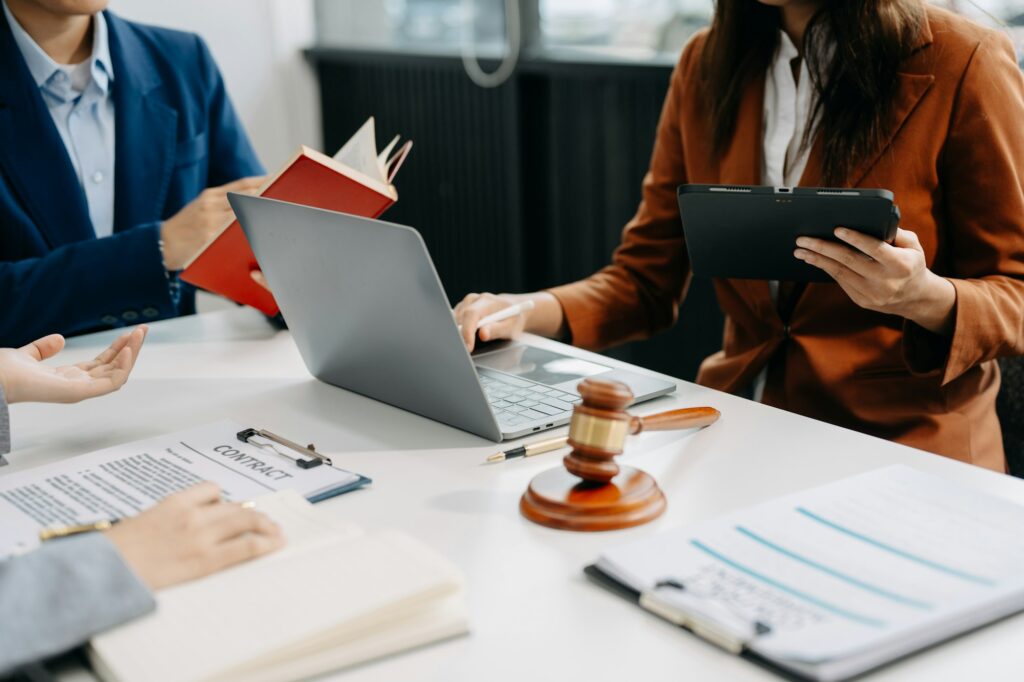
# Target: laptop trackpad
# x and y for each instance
(564, 372)
(643, 387)
(539, 365)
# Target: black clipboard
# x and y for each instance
(609, 583)
(304, 457)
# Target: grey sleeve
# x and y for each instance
(58, 596)
(5, 426)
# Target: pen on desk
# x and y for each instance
(55, 532)
(505, 313)
(529, 449)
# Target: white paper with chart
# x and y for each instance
(841, 578)
(125, 479)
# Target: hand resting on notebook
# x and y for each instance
(192, 534)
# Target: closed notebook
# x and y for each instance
(834, 581)
(333, 597)
(356, 180)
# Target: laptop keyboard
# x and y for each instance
(516, 401)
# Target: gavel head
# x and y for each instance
(598, 430)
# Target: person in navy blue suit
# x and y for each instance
(118, 143)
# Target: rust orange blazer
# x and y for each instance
(955, 161)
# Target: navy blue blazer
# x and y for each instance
(176, 134)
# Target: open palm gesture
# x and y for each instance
(25, 378)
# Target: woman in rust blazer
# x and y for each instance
(903, 344)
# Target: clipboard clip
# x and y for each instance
(710, 620)
(307, 457)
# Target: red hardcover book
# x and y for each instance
(356, 180)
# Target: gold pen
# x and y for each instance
(55, 532)
(530, 449)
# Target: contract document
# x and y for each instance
(123, 480)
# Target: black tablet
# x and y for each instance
(749, 232)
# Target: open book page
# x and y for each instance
(302, 524)
(385, 156)
(435, 621)
(838, 570)
(315, 596)
(360, 152)
(123, 480)
(357, 160)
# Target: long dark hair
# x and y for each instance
(867, 40)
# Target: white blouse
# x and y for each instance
(787, 112)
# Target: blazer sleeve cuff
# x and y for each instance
(152, 248)
(586, 316)
(597, 320)
(62, 594)
(927, 353)
(582, 331)
(133, 277)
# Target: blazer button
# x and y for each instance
(150, 312)
(109, 319)
(129, 316)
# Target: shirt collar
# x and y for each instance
(44, 70)
(786, 50)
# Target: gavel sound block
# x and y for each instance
(592, 492)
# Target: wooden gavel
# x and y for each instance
(600, 425)
(607, 497)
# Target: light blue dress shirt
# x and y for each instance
(80, 102)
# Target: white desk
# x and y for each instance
(534, 615)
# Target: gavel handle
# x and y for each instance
(686, 418)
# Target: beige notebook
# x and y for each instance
(334, 597)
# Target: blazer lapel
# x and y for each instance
(741, 162)
(911, 89)
(33, 156)
(909, 92)
(741, 165)
(146, 131)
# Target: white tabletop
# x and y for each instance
(533, 613)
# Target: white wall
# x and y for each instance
(355, 22)
(257, 44)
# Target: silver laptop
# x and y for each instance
(369, 314)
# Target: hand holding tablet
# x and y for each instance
(749, 232)
(806, 234)
(888, 278)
